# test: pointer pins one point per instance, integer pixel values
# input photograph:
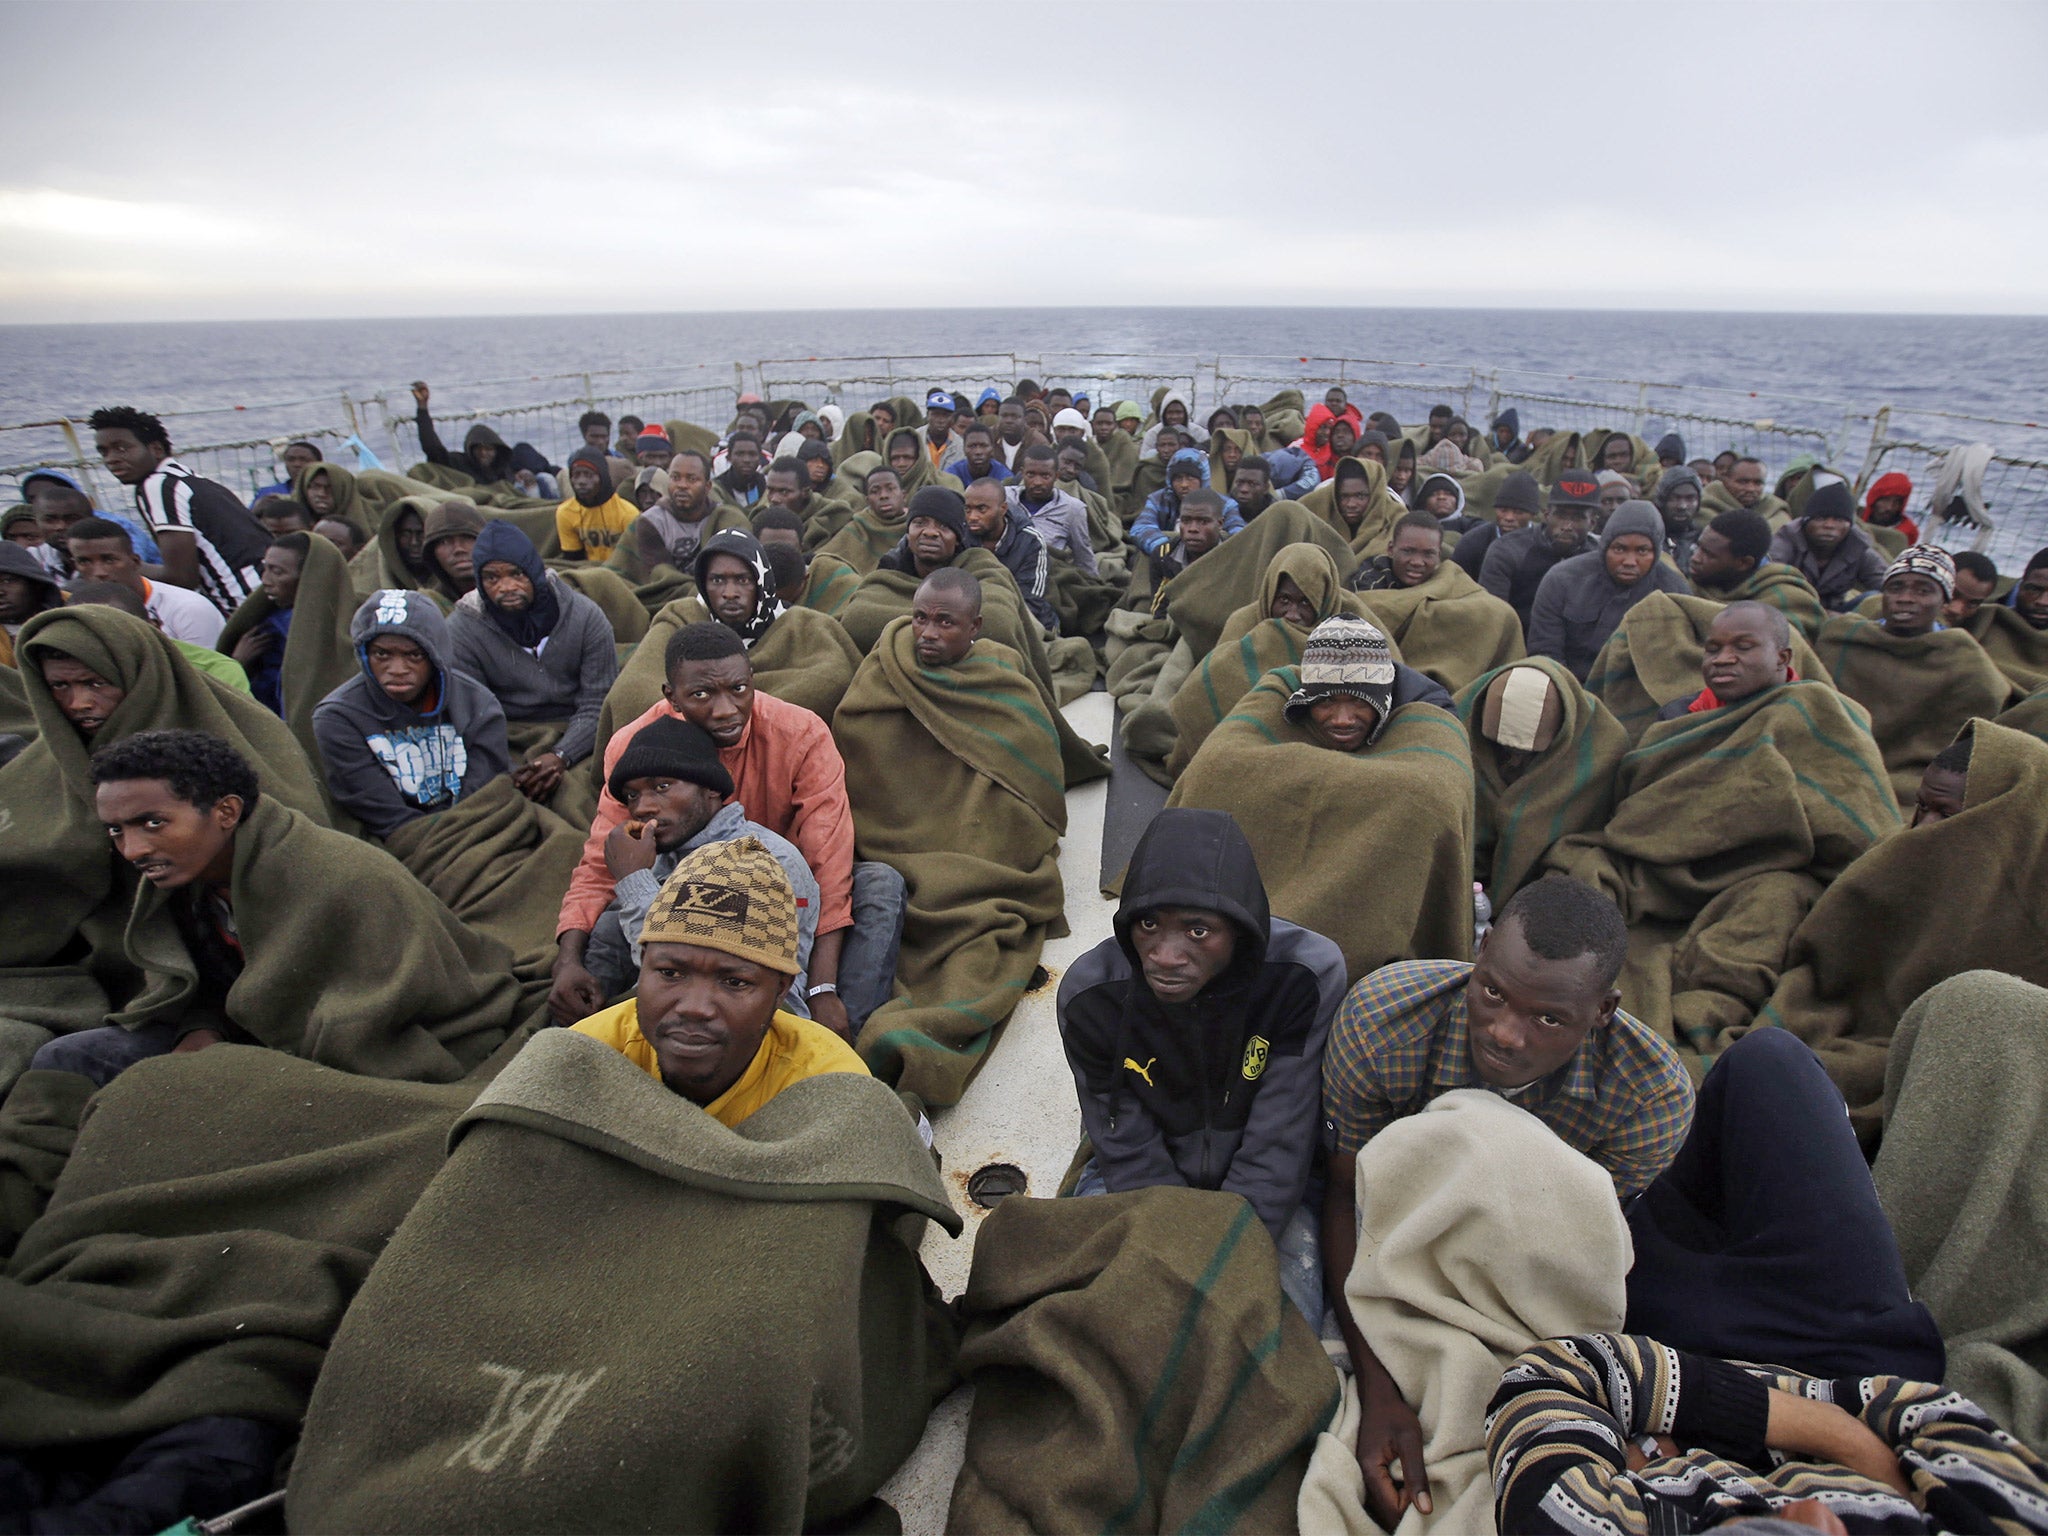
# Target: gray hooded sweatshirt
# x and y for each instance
(389, 763)
(1579, 606)
(565, 678)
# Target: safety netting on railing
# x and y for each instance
(239, 444)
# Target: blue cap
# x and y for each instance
(939, 400)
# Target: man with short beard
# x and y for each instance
(1517, 563)
(681, 520)
(1015, 542)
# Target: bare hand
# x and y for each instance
(1388, 1430)
(419, 390)
(629, 847)
(575, 994)
(541, 777)
(826, 1009)
(526, 479)
(254, 646)
(1807, 1427)
(198, 1040)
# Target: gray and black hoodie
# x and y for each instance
(388, 763)
(1224, 1091)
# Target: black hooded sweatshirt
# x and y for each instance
(501, 467)
(1223, 1091)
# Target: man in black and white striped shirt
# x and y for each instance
(211, 543)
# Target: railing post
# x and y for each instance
(1642, 407)
(1880, 424)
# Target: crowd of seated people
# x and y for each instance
(1544, 971)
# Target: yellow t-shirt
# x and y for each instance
(593, 531)
(792, 1049)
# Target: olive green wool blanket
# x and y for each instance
(1655, 658)
(1135, 1368)
(1448, 627)
(610, 1312)
(63, 964)
(1919, 690)
(958, 780)
(212, 1224)
(804, 658)
(1319, 820)
(1565, 789)
(1922, 905)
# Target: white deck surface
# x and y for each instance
(1020, 1110)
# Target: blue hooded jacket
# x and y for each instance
(1155, 525)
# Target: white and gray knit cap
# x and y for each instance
(1345, 655)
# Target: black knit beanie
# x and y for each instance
(671, 749)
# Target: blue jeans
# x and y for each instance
(103, 1054)
(867, 962)
(1300, 1248)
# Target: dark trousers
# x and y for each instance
(103, 1054)
(1763, 1241)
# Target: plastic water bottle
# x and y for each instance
(1482, 912)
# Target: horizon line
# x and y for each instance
(1025, 309)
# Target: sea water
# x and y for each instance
(1982, 365)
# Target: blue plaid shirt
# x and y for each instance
(1400, 1040)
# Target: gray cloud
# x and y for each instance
(328, 159)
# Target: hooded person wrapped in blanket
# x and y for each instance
(799, 655)
(1544, 756)
(1959, 889)
(547, 654)
(1300, 589)
(2019, 649)
(1153, 649)
(1136, 1368)
(1921, 683)
(63, 959)
(957, 768)
(731, 1171)
(1960, 1176)
(318, 654)
(1328, 778)
(1654, 658)
(1729, 820)
(432, 780)
(1447, 626)
(1356, 503)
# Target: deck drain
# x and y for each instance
(996, 1182)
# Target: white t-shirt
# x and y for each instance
(181, 614)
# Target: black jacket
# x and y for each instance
(1224, 1091)
(1517, 562)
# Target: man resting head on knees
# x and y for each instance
(1748, 649)
(718, 953)
(1535, 1018)
(1195, 1036)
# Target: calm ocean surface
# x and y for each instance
(1982, 365)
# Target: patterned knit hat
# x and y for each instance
(1345, 655)
(732, 897)
(1929, 560)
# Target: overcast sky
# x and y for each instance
(176, 161)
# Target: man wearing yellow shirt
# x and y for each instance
(718, 950)
(594, 518)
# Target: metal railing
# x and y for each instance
(238, 444)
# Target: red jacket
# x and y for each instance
(1319, 418)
